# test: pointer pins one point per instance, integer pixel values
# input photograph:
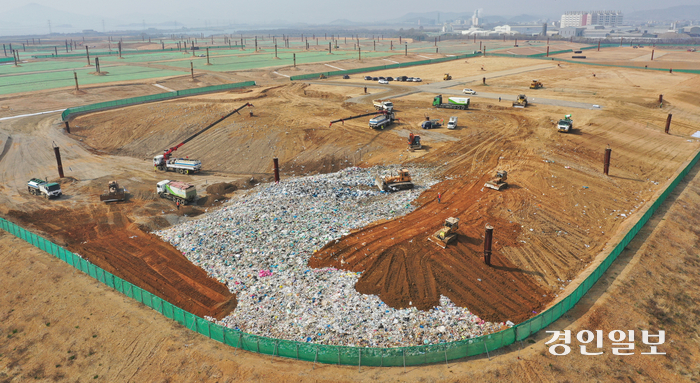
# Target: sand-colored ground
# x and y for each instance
(557, 216)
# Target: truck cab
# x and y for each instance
(452, 124)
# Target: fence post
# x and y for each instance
(404, 360)
(487, 350)
(359, 362)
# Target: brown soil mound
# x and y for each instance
(106, 237)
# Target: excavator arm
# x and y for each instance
(168, 152)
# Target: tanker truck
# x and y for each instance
(176, 191)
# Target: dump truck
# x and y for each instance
(536, 84)
(383, 105)
(402, 181)
(447, 77)
(452, 102)
(414, 142)
(446, 234)
(114, 193)
(498, 182)
(176, 191)
(520, 102)
(382, 121)
(37, 186)
(565, 124)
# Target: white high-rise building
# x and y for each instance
(582, 19)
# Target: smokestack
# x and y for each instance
(57, 151)
(668, 123)
(276, 164)
(606, 163)
(488, 239)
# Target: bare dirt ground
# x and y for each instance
(640, 57)
(558, 215)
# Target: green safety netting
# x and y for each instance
(398, 356)
(71, 112)
(115, 51)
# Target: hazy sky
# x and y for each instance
(310, 11)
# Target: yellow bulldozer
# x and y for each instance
(402, 181)
(520, 102)
(536, 84)
(322, 77)
(447, 77)
(114, 193)
(499, 182)
(446, 234)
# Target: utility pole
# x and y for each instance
(77, 89)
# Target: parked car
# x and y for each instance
(409, 79)
(369, 78)
(417, 79)
(383, 81)
(375, 79)
(389, 79)
(468, 91)
(404, 78)
(346, 77)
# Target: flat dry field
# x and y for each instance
(559, 215)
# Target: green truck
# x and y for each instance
(452, 102)
(176, 191)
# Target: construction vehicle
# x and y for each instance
(163, 162)
(565, 124)
(535, 84)
(176, 191)
(446, 234)
(452, 124)
(402, 181)
(520, 102)
(383, 105)
(114, 193)
(499, 182)
(382, 121)
(431, 124)
(452, 102)
(322, 77)
(49, 190)
(414, 142)
(447, 77)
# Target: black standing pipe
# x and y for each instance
(661, 98)
(668, 123)
(547, 50)
(4, 50)
(192, 70)
(276, 163)
(55, 49)
(295, 59)
(120, 49)
(67, 127)
(606, 164)
(87, 52)
(97, 64)
(76, 81)
(488, 239)
(57, 151)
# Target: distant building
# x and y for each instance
(582, 19)
(571, 31)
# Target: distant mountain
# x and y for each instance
(343, 22)
(681, 12)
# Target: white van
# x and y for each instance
(452, 123)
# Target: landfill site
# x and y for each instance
(341, 211)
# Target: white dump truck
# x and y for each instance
(180, 165)
(38, 186)
(383, 105)
(381, 121)
(176, 191)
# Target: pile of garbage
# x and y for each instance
(259, 245)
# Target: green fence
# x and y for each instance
(7, 60)
(116, 52)
(382, 67)
(398, 356)
(72, 112)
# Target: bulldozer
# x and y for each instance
(521, 102)
(402, 181)
(114, 193)
(322, 77)
(447, 77)
(414, 142)
(536, 84)
(446, 234)
(499, 182)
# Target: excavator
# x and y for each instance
(402, 181)
(164, 163)
(447, 77)
(446, 234)
(499, 182)
(414, 142)
(114, 194)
